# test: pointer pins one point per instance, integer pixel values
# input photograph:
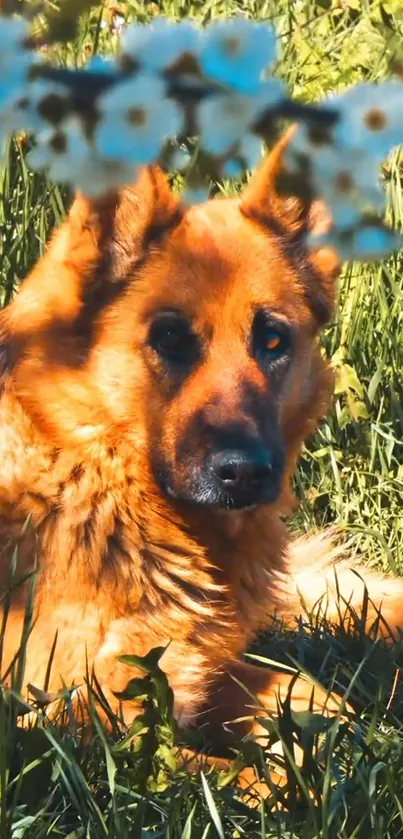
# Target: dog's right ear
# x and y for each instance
(94, 251)
(292, 217)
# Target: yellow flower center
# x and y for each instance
(231, 46)
(344, 182)
(137, 117)
(58, 143)
(375, 119)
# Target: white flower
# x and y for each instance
(344, 212)
(26, 115)
(235, 52)
(100, 65)
(224, 118)
(136, 120)
(369, 242)
(180, 159)
(374, 243)
(350, 175)
(158, 45)
(250, 150)
(232, 168)
(371, 118)
(62, 150)
(16, 60)
(195, 195)
(347, 179)
(300, 149)
(248, 155)
(97, 177)
(68, 157)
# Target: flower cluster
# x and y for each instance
(342, 164)
(176, 87)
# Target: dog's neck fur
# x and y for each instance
(103, 518)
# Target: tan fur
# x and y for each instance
(84, 404)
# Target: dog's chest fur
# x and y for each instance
(120, 571)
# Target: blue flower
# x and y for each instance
(16, 60)
(195, 195)
(347, 179)
(248, 154)
(135, 121)
(235, 52)
(100, 65)
(373, 243)
(69, 157)
(367, 242)
(160, 44)
(61, 150)
(371, 118)
(224, 118)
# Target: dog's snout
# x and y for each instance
(241, 468)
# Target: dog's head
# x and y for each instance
(191, 330)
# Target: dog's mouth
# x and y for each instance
(209, 497)
(228, 481)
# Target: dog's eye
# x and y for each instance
(270, 342)
(171, 337)
(276, 343)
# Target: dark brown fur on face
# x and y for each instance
(148, 436)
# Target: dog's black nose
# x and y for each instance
(240, 469)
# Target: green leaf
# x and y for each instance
(187, 830)
(311, 723)
(147, 663)
(375, 381)
(347, 379)
(358, 409)
(212, 807)
(137, 688)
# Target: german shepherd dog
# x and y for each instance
(159, 372)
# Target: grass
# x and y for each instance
(351, 780)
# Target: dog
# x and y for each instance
(159, 372)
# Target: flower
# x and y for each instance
(29, 113)
(100, 65)
(247, 156)
(371, 118)
(61, 150)
(250, 150)
(224, 118)
(97, 177)
(235, 52)
(160, 44)
(69, 157)
(16, 60)
(180, 159)
(195, 194)
(302, 147)
(135, 120)
(370, 241)
(346, 176)
(347, 179)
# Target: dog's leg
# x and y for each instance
(238, 701)
(246, 692)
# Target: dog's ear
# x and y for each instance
(292, 218)
(95, 251)
(49, 330)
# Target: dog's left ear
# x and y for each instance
(92, 254)
(292, 218)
